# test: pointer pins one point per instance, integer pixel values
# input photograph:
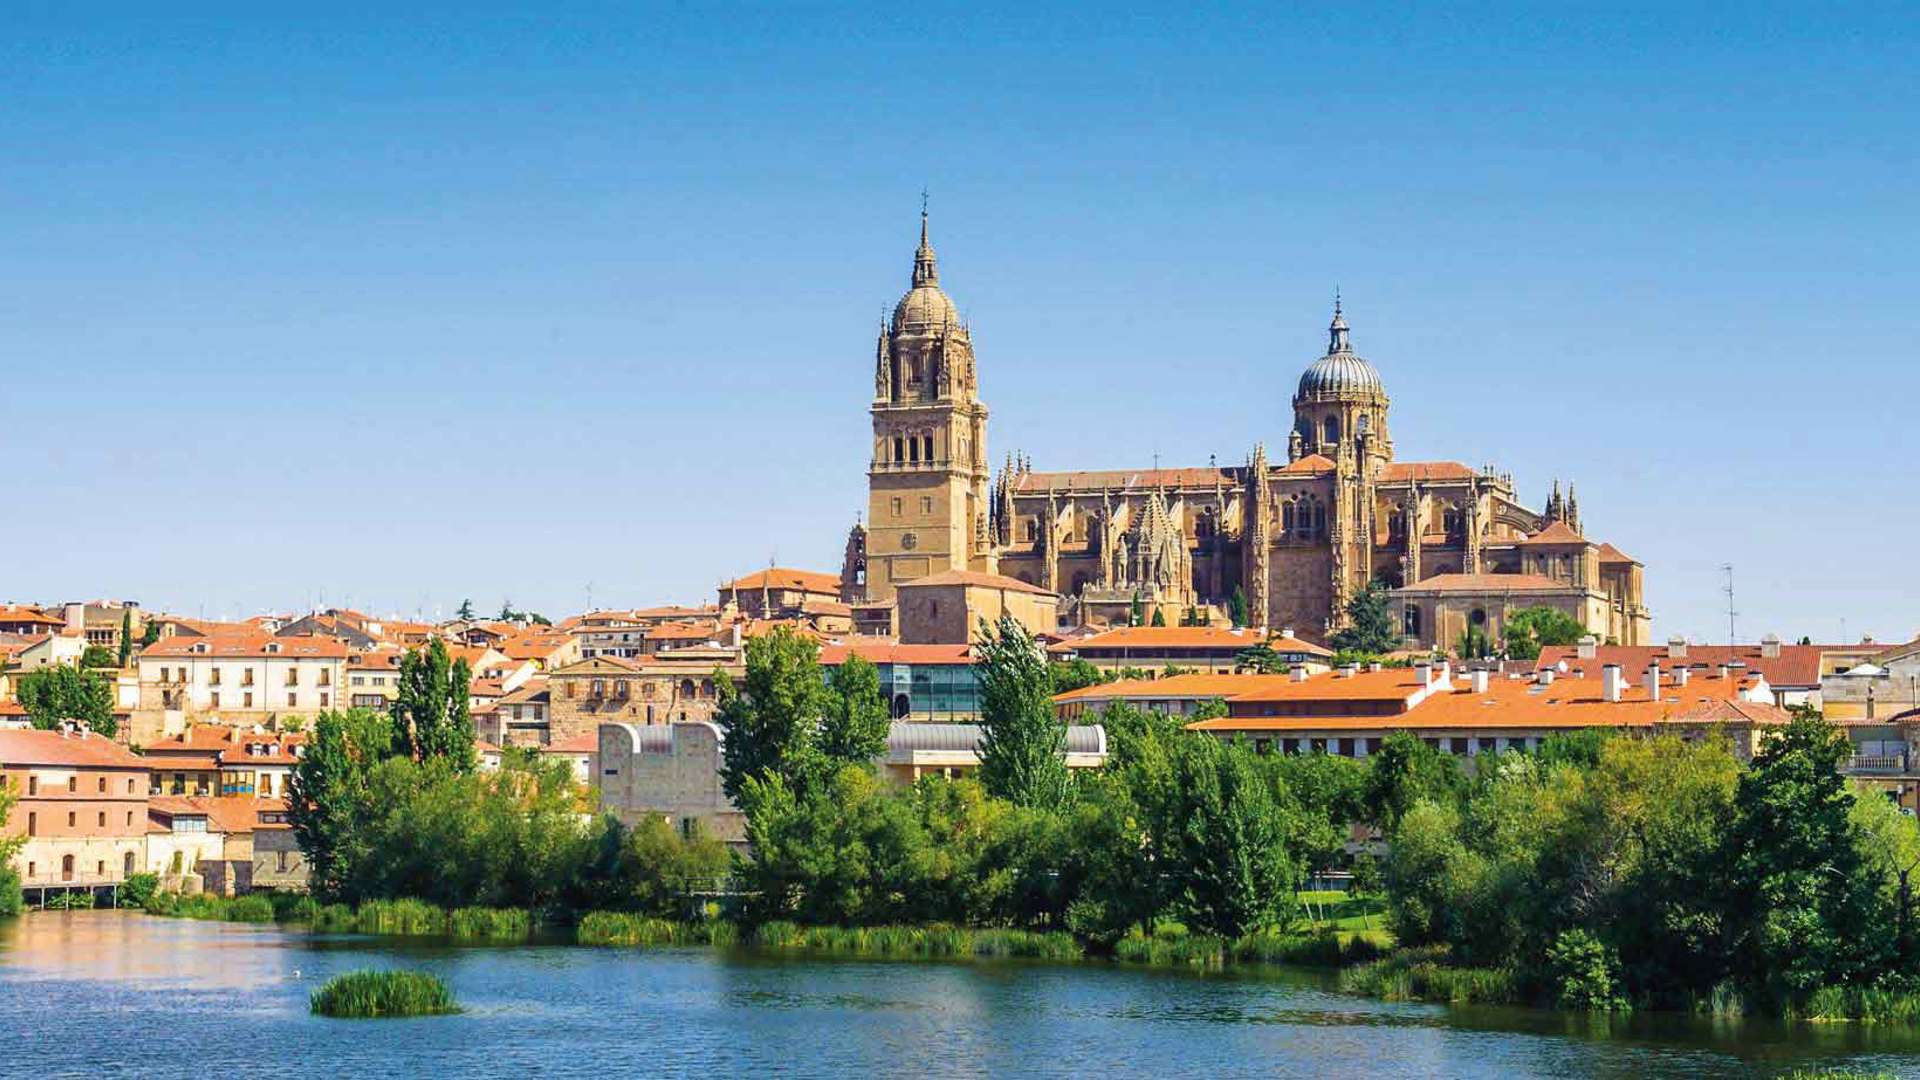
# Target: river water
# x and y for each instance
(123, 994)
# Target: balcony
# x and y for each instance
(1875, 765)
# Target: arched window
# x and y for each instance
(1363, 425)
(1477, 617)
(66, 868)
(1411, 621)
(899, 450)
(901, 706)
(706, 688)
(686, 687)
(927, 454)
(1319, 518)
(1331, 429)
(913, 449)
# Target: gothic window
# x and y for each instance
(913, 449)
(927, 454)
(1455, 524)
(1363, 425)
(1033, 530)
(1411, 621)
(899, 450)
(1331, 429)
(1287, 517)
(1319, 518)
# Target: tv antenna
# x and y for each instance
(1727, 569)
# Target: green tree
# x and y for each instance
(770, 722)
(432, 707)
(1369, 622)
(1022, 744)
(465, 613)
(1232, 839)
(11, 900)
(1260, 659)
(1530, 629)
(855, 725)
(1076, 674)
(1159, 616)
(151, 634)
(126, 636)
(1808, 912)
(1889, 843)
(327, 798)
(1473, 644)
(1237, 608)
(59, 692)
(97, 657)
(1136, 612)
(1402, 772)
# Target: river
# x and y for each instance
(125, 994)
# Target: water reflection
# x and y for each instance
(557, 1010)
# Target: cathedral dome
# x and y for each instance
(1341, 373)
(926, 306)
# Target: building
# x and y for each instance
(1193, 648)
(520, 718)
(930, 683)
(675, 687)
(29, 621)
(237, 678)
(82, 807)
(948, 607)
(225, 760)
(1874, 688)
(1297, 537)
(780, 592)
(278, 862)
(915, 749)
(373, 679)
(1792, 671)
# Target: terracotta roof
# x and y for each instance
(816, 606)
(584, 743)
(1611, 554)
(20, 613)
(975, 579)
(587, 666)
(1488, 583)
(1555, 533)
(1797, 666)
(485, 688)
(834, 654)
(33, 747)
(682, 631)
(533, 691)
(534, 646)
(780, 577)
(248, 644)
(1124, 479)
(228, 814)
(1194, 685)
(1312, 463)
(1426, 470)
(382, 660)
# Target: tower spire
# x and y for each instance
(925, 272)
(1337, 330)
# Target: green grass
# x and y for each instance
(1173, 947)
(403, 916)
(1422, 975)
(492, 924)
(367, 994)
(1342, 911)
(624, 928)
(334, 917)
(293, 907)
(937, 941)
(252, 908)
(1844, 1003)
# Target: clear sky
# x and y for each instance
(400, 309)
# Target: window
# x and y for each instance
(103, 783)
(126, 865)
(928, 455)
(326, 700)
(33, 785)
(129, 819)
(213, 677)
(326, 677)
(33, 825)
(129, 785)
(103, 820)
(66, 868)
(913, 450)
(926, 504)
(247, 699)
(1331, 429)
(280, 861)
(899, 452)
(293, 676)
(246, 676)
(73, 820)
(215, 699)
(73, 783)
(292, 698)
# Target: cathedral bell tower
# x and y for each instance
(927, 501)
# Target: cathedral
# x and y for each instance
(1295, 537)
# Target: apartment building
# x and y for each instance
(236, 678)
(82, 807)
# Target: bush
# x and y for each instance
(334, 917)
(1585, 973)
(135, 891)
(403, 916)
(293, 907)
(369, 994)
(1419, 975)
(70, 901)
(251, 908)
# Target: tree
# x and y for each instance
(432, 707)
(1260, 659)
(1473, 644)
(1237, 608)
(1530, 629)
(11, 900)
(1369, 623)
(1136, 612)
(465, 613)
(1232, 838)
(327, 800)
(57, 693)
(1159, 616)
(1022, 744)
(770, 723)
(1076, 674)
(1402, 772)
(97, 657)
(1808, 912)
(126, 636)
(855, 725)
(151, 634)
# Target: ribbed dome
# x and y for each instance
(1342, 372)
(925, 307)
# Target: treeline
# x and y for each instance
(1607, 872)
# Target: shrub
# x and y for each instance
(368, 994)
(250, 908)
(135, 891)
(1585, 973)
(334, 917)
(293, 907)
(624, 928)
(12, 901)
(1872, 1004)
(70, 901)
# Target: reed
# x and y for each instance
(369, 994)
(1200, 951)
(1864, 1003)
(1418, 975)
(403, 916)
(252, 908)
(334, 917)
(491, 924)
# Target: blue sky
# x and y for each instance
(396, 310)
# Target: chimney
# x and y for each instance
(733, 636)
(1653, 681)
(1681, 675)
(1373, 665)
(76, 618)
(1612, 683)
(1424, 671)
(1726, 670)
(1348, 671)
(1479, 681)
(1677, 648)
(1770, 647)
(1587, 647)
(1298, 672)
(1546, 676)
(1286, 631)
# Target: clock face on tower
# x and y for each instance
(910, 541)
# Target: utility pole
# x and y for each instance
(1727, 568)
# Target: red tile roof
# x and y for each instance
(33, 747)
(975, 579)
(780, 577)
(1555, 533)
(1312, 463)
(248, 644)
(833, 654)
(1489, 583)
(1797, 666)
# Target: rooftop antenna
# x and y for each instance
(1727, 569)
(589, 596)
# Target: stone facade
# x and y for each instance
(947, 608)
(670, 770)
(1298, 538)
(681, 686)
